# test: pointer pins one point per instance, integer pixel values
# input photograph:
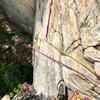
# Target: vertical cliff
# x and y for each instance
(75, 28)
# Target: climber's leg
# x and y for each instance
(62, 91)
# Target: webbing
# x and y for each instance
(49, 19)
(80, 73)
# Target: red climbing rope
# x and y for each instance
(49, 19)
(82, 74)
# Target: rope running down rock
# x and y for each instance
(49, 20)
(62, 51)
(80, 73)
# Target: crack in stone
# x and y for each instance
(75, 48)
(86, 48)
(84, 23)
(94, 46)
(72, 44)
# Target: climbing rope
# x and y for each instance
(75, 95)
(49, 19)
(62, 51)
(80, 73)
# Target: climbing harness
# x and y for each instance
(80, 73)
(49, 19)
(75, 95)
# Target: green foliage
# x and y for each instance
(12, 77)
(11, 94)
(15, 90)
(3, 67)
(17, 74)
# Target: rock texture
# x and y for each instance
(20, 12)
(92, 54)
(75, 28)
(6, 97)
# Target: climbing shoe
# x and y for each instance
(62, 91)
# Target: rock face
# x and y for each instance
(6, 97)
(20, 12)
(75, 28)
